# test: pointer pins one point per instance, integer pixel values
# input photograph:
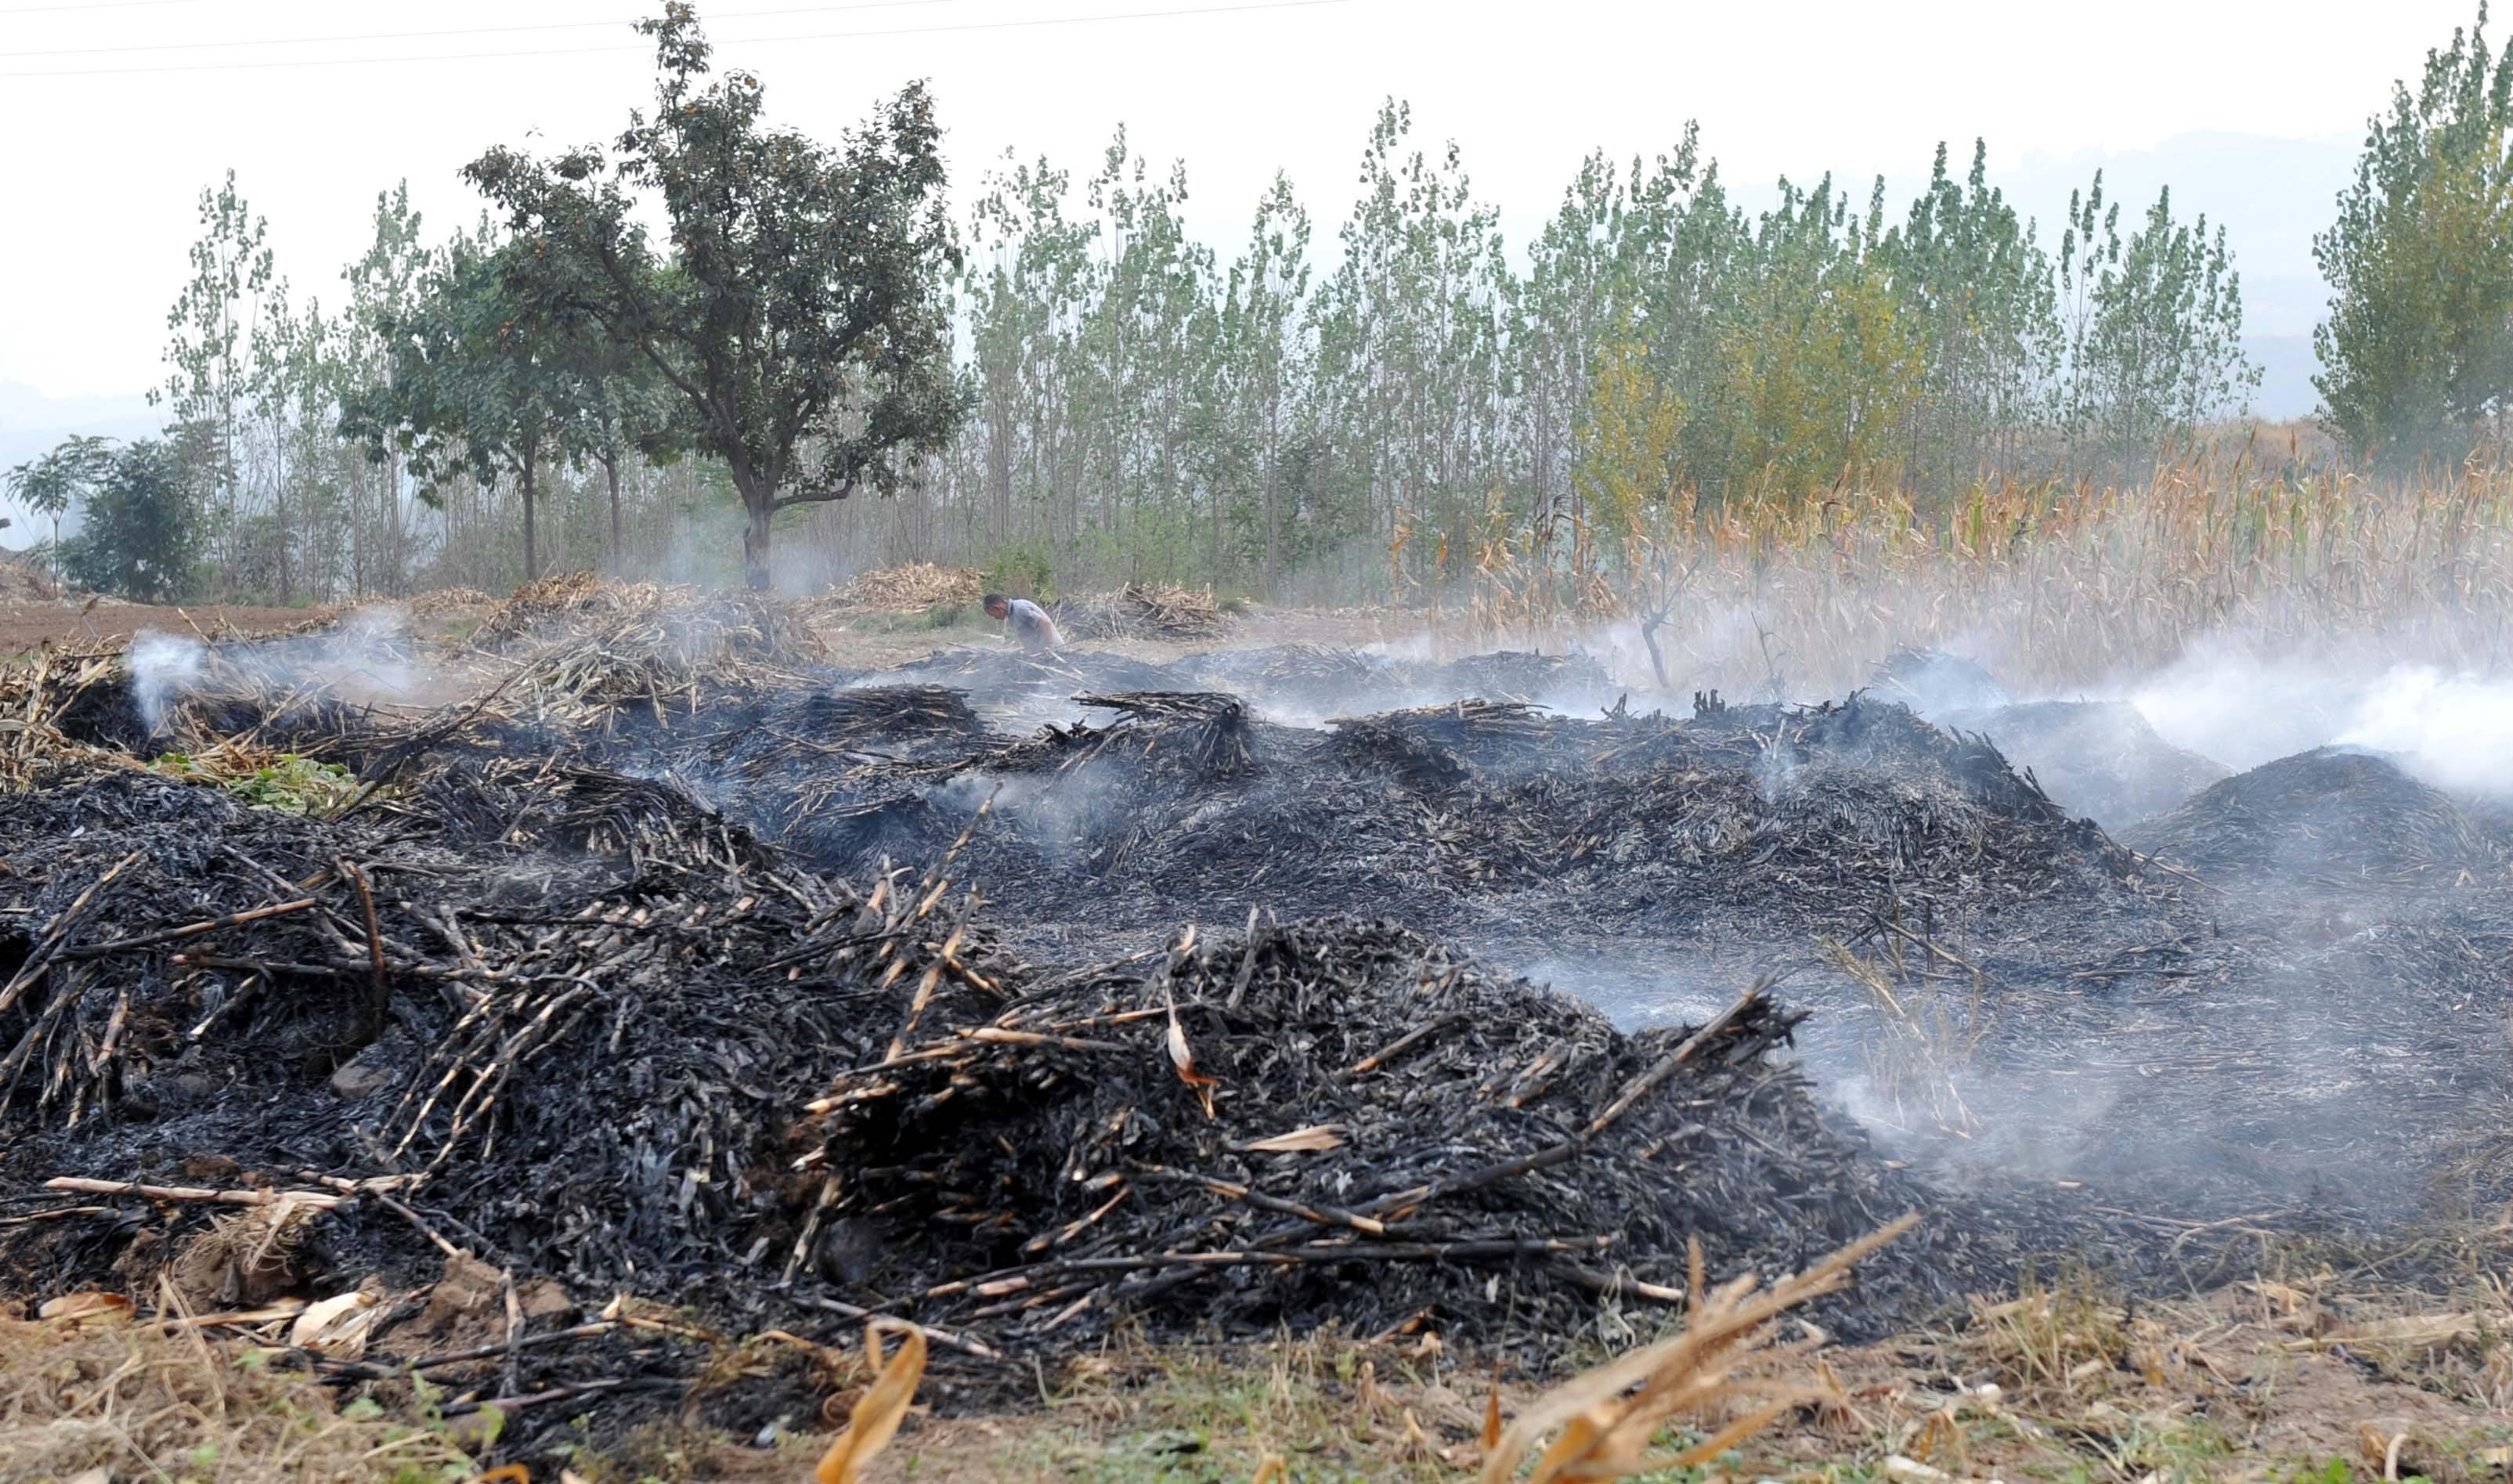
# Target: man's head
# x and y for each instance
(996, 606)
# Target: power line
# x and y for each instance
(919, 30)
(91, 5)
(476, 30)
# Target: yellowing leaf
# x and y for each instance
(882, 1408)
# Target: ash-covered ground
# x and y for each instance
(1026, 998)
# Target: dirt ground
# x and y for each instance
(882, 641)
(26, 627)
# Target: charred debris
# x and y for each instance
(669, 962)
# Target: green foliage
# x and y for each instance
(711, 307)
(2155, 328)
(481, 383)
(232, 270)
(2418, 346)
(799, 316)
(1628, 439)
(64, 476)
(1377, 414)
(1023, 570)
(1824, 363)
(293, 785)
(1970, 275)
(140, 539)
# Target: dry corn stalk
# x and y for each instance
(1607, 1417)
(884, 1406)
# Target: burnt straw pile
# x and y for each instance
(1329, 1119)
(658, 958)
(1464, 817)
(569, 1012)
(2101, 758)
(2333, 817)
(575, 1025)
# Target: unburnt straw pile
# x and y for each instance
(907, 587)
(1142, 611)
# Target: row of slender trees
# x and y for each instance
(1138, 402)
(1067, 380)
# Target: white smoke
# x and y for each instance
(2455, 732)
(164, 668)
(364, 659)
(2452, 729)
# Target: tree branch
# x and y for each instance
(844, 487)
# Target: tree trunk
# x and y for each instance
(759, 504)
(754, 550)
(532, 532)
(279, 500)
(610, 472)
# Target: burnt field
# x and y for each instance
(1036, 1001)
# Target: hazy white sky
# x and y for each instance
(118, 111)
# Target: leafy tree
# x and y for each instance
(1573, 306)
(1628, 439)
(1822, 365)
(625, 411)
(1685, 252)
(1142, 350)
(384, 284)
(2418, 346)
(799, 313)
(282, 366)
(475, 385)
(1258, 365)
(1026, 285)
(1978, 288)
(2154, 326)
(1410, 346)
(140, 538)
(65, 476)
(210, 324)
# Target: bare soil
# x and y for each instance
(28, 626)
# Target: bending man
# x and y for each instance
(1029, 623)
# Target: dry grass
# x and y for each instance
(151, 1401)
(2065, 583)
(2055, 1336)
(1603, 1424)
